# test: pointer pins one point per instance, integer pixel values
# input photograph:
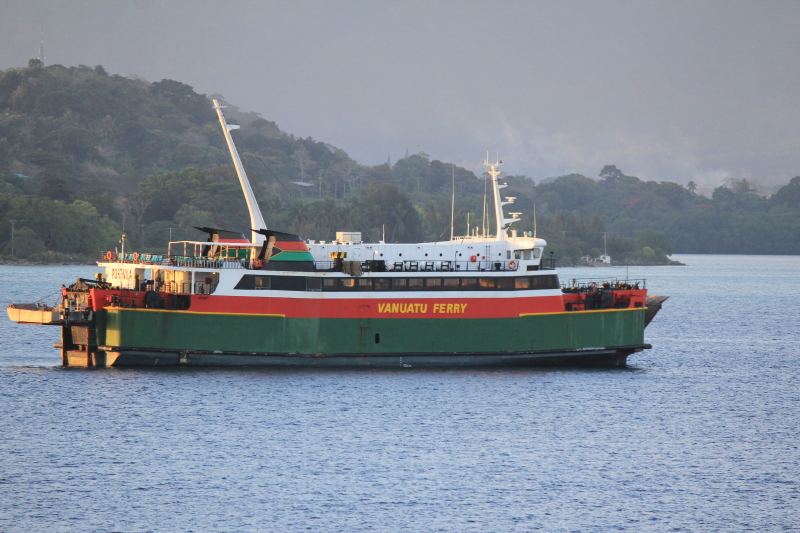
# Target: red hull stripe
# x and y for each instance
(380, 308)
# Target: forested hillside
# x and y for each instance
(86, 156)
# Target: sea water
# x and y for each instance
(700, 433)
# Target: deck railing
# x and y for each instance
(331, 266)
(593, 284)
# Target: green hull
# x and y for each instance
(211, 338)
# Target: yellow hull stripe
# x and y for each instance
(139, 310)
(585, 312)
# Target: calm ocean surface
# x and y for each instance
(701, 433)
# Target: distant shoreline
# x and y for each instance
(22, 262)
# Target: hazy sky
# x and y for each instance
(670, 90)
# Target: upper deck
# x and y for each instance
(463, 254)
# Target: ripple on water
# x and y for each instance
(700, 434)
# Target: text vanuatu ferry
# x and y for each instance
(277, 300)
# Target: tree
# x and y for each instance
(348, 172)
(136, 204)
(692, 186)
(740, 187)
(723, 194)
(26, 243)
(383, 203)
(302, 159)
(788, 195)
(610, 176)
(183, 97)
(655, 240)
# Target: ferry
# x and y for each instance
(275, 299)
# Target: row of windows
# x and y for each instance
(298, 283)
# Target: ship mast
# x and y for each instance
(256, 220)
(501, 220)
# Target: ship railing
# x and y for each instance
(133, 257)
(215, 263)
(144, 285)
(72, 306)
(426, 266)
(175, 260)
(594, 284)
(175, 287)
(205, 262)
(204, 288)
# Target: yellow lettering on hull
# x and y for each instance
(422, 308)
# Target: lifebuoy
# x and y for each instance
(512, 265)
(257, 263)
(473, 258)
(135, 256)
(593, 286)
(109, 255)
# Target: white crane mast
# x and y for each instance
(256, 219)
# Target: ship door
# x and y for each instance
(364, 313)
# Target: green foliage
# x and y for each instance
(788, 195)
(100, 154)
(25, 244)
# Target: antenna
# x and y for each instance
(534, 221)
(500, 219)
(483, 216)
(41, 46)
(453, 205)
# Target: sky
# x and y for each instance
(666, 90)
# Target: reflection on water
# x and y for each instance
(699, 434)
